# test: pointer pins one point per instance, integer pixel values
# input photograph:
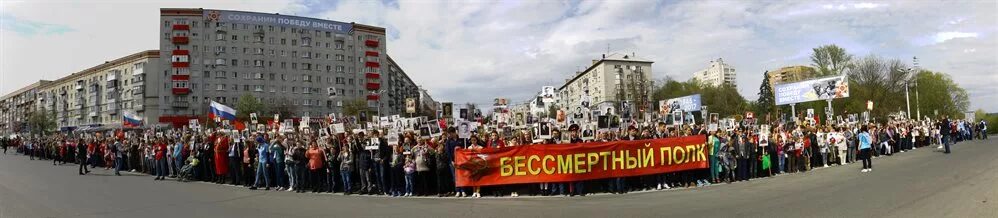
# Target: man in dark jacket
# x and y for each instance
(81, 157)
(945, 129)
(383, 158)
(364, 165)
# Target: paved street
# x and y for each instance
(922, 183)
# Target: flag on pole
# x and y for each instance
(221, 111)
(131, 119)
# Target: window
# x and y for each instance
(220, 62)
(338, 44)
(220, 74)
(235, 62)
(340, 57)
(284, 41)
(235, 75)
(220, 87)
(235, 37)
(339, 69)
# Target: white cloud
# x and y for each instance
(946, 36)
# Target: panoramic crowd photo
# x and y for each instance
(404, 108)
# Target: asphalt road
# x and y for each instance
(921, 183)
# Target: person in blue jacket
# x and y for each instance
(864, 149)
(263, 157)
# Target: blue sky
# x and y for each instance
(479, 50)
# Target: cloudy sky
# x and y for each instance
(473, 52)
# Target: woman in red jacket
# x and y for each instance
(315, 160)
(221, 159)
(160, 159)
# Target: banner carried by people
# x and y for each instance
(811, 90)
(578, 161)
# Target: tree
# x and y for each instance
(354, 107)
(882, 81)
(938, 92)
(281, 106)
(40, 123)
(766, 101)
(830, 60)
(552, 112)
(723, 100)
(249, 104)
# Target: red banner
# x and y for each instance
(579, 161)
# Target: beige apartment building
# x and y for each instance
(100, 96)
(610, 80)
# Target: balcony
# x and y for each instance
(371, 53)
(372, 75)
(183, 27)
(373, 97)
(371, 43)
(373, 86)
(180, 91)
(180, 104)
(179, 77)
(180, 40)
(372, 64)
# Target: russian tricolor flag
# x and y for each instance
(222, 111)
(131, 119)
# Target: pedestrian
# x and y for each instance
(81, 157)
(315, 160)
(864, 149)
(221, 159)
(410, 171)
(161, 167)
(262, 161)
(346, 168)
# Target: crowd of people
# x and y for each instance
(364, 163)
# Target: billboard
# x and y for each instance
(811, 90)
(276, 20)
(686, 103)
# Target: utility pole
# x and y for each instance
(907, 97)
(918, 109)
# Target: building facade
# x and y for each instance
(15, 108)
(790, 74)
(611, 79)
(398, 87)
(100, 96)
(220, 55)
(716, 74)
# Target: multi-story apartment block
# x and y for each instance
(610, 80)
(716, 74)
(15, 108)
(220, 55)
(99, 96)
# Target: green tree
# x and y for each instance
(766, 101)
(830, 60)
(249, 104)
(354, 107)
(40, 122)
(280, 106)
(723, 100)
(938, 92)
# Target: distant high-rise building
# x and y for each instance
(717, 74)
